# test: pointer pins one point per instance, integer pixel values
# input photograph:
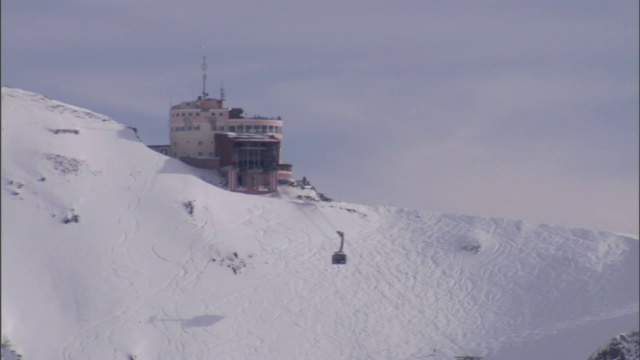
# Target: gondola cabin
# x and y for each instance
(339, 258)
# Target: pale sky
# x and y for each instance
(516, 109)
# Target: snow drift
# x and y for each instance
(111, 250)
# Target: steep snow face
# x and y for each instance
(112, 250)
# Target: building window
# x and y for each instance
(199, 153)
(199, 142)
(175, 143)
(211, 154)
(197, 127)
(232, 128)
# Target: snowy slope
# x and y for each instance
(111, 250)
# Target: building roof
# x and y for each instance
(252, 137)
(200, 103)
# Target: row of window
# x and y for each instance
(197, 113)
(200, 153)
(255, 129)
(200, 143)
(185, 128)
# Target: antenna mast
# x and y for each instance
(221, 92)
(204, 75)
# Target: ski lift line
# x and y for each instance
(312, 221)
(339, 257)
(358, 233)
(326, 219)
(331, 225)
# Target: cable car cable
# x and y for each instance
(338, 257)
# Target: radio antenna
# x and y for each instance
(204, 74)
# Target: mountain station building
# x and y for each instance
(205, 134)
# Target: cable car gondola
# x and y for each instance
(339, 257)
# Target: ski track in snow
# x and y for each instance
(123, 266)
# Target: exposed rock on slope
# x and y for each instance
(622, 347)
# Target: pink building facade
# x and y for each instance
(193, 125)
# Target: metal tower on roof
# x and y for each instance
(221, 92)
(204, 75)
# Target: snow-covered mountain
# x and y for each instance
(113, 251)
(622, 347)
